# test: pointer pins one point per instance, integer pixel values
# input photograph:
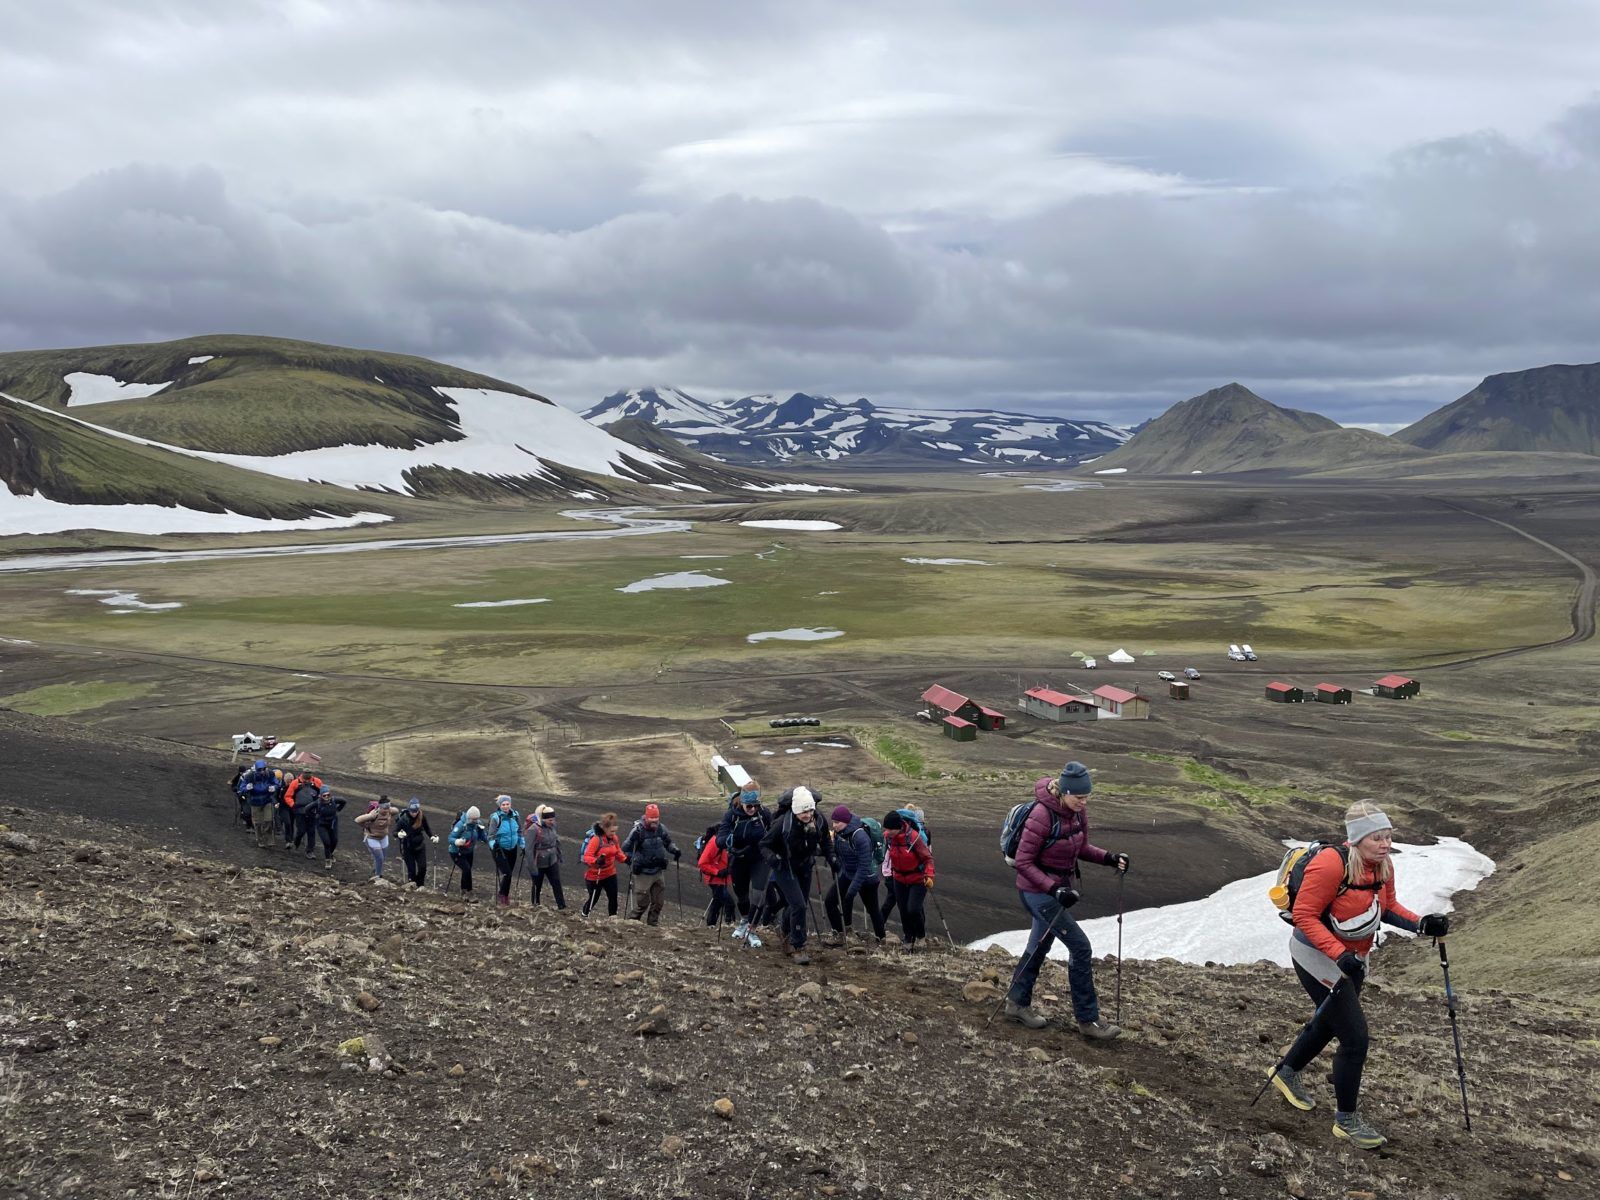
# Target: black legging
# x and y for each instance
(911, 897)
(505, 862)
(608, 885)
(330, 840)
(841, 912)
(416, 857)
(553, 874)
(1343, 1020)
(722, 906)
(745, 874)
(464, 865)
(305, 829)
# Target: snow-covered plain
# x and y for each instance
(673, 581)
(1238, 924)
(85, 388)
(794, 635)
(499, 603)
(38, 514)
(802, 526)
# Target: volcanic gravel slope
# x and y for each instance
(181, 1026)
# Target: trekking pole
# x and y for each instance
(1455, 1030)
(677, 873)
(939, 908)
(445, 891)
(1121, 875)
(1278, 1066)
(629, 912)
(811, 902)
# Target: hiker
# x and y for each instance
(740, 833)
(322, 807)
(1345, 894)
(544, 854)
(857, 860)
(911, 876)
(282, 814)
(649, 842)
(1055, 835)
(712, 860)
(238, 794)
(414, 833)
(913, 816)
(505, 840)
(792, 845)
(258, 789)
(465, 835)
(304, 828)
(601, 854)
(377, 823)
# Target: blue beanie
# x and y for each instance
(1074, 780)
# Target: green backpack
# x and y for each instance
(880, 847)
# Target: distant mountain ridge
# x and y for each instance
(768, 430)
(1544, 408)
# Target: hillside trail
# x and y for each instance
(179, 1026)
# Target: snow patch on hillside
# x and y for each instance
(674, 581)
(86, 388)
(37, 514)
(802, 526)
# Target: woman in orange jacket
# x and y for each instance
(1345, 894)
(601, 854)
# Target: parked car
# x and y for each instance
(1191, 673)
(1089, 664)
(1248, 653)
(1166, 676)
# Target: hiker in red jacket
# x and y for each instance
(911, 876)
(715, 873)
(1054, 837)
(1346, 893)
(601, 854)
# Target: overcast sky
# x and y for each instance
(1357, 207)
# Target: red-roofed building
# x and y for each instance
(942, 703)
(1331, 693)
(959, 730)
(1051, 705)
(1396, 687)
(1120, 703)
(1285, 693)
(990, 719)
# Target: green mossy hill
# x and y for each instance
(256, 395)
(1546, 408)
(62, 460)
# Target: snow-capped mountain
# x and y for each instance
(770, 429)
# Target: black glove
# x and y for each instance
(1119, 861)
(1434, 925)
(676, 855)
(1354, 969)
(1066, 895)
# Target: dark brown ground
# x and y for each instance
(173, 1026)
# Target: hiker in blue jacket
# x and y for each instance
(260, 791)
(856, 869)
(464, 838)
(505, 841)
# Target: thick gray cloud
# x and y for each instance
(1344, 208)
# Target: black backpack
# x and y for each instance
(1292, 873)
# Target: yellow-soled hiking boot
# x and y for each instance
(1353, 1127)
(1288, 1083)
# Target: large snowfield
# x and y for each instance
(37, 514)
(1238, 924)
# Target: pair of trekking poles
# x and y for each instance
(1054, 932)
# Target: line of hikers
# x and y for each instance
(759, 866)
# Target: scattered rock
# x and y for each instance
(723, 1108)
(377, 1054)
(627, 977)
(393, 948)
(594, 949)
(18, 843)
(271, 1041)
(1564, 1176)
(207, 1175)
(1039, 1054)
(980, 991)
(1359, 1194)
(657, 1024)
(531, 1166)
(456, 1072)
(1296, 1187)
(671, 1146)
(811, 990)
(909, 1038)
(604, 1118)
(356, 1047)
(367, 1002)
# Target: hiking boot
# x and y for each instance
(752, 940)
(835, 941)
(1025, 1015)
(327, 864)
(1353, 1127)
(802, 959)
(1098, 1030)
(1288, 1082)
(742, 929)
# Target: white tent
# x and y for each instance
(1119, 656)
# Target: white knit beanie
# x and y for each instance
(1360, 827)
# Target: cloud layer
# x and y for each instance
(1090, 215)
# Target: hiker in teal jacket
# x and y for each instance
(505, 841)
